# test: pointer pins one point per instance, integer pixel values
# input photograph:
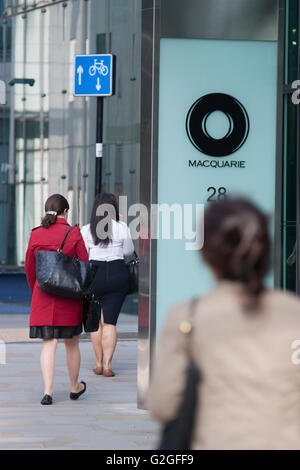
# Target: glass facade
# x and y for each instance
(48, 136)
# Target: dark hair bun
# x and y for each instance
(48, 220)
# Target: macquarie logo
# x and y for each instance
(232, 141)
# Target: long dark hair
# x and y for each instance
(102, 233)
(55, 203)
(237, 244)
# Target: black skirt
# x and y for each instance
(110, 286)
(55, 332)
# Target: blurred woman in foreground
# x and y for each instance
(241, 342)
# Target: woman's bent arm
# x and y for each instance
(84, 235)
(81, 251)
(128, 246)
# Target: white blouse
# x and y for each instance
(121, 244)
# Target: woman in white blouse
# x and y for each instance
(107, 241)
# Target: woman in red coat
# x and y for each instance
(53, 317)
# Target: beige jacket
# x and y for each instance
(249, 397)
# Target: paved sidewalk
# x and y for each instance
(105, 417)
(14, 328)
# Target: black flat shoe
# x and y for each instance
(75, 396)
(47, 400)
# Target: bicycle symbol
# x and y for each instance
(98, 66)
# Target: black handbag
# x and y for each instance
(61, 275)
(133, 270)
(177, 434)
(91, 313)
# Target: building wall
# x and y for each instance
(48, 136)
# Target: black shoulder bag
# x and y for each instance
(91, 313)
(133, 270)
(178, 433)
(61, 275)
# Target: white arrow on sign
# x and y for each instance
(80, 72)
(98, 86)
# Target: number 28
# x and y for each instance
(221, 193)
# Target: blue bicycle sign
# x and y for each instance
(94, 75)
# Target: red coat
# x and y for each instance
(46, 309)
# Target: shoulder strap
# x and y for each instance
(192, 312)
(64, 240)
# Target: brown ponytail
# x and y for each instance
(57, 204)
(237, 245)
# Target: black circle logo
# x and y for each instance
(238, 124)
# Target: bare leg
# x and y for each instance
(47, 361)
(97, 344)
(109, 342)
(73, 362)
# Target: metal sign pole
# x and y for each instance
(99, 145)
